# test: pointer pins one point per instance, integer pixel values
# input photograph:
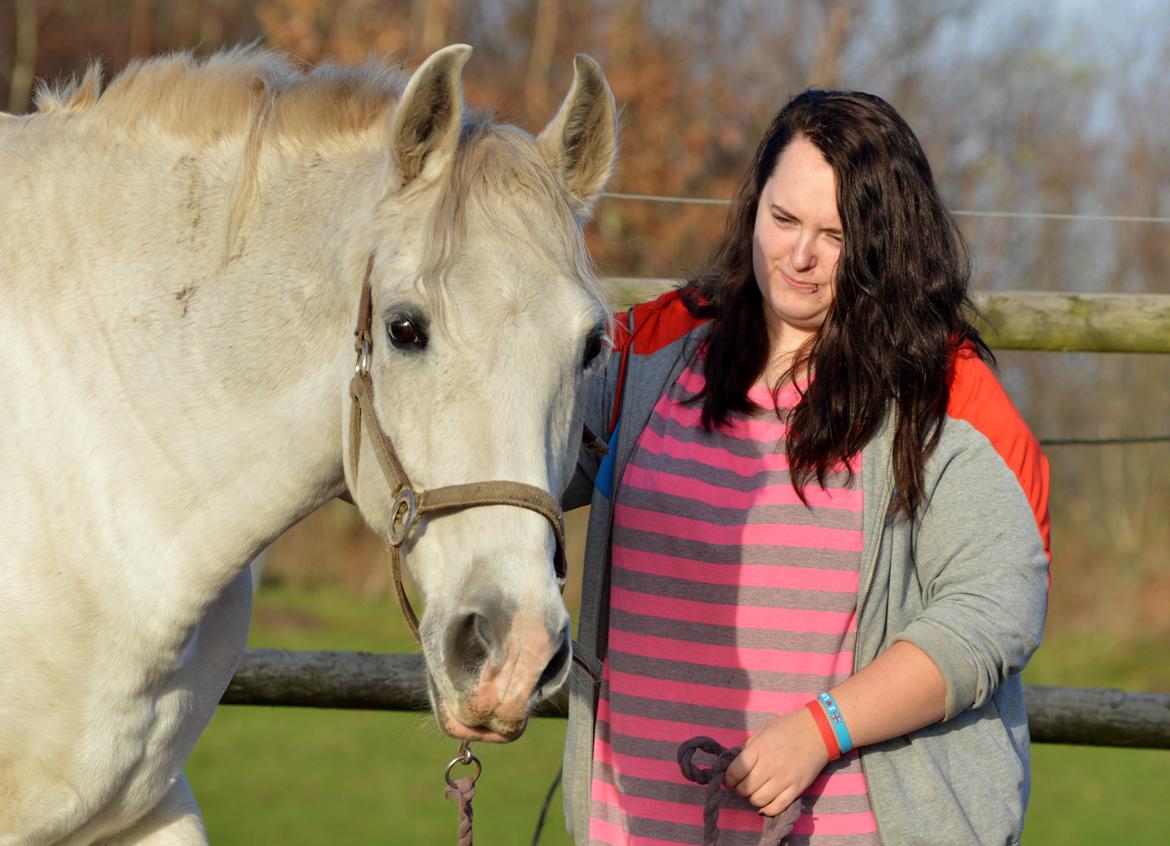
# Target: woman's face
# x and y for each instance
(796, 244)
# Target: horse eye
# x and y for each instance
(593, 346)
(404, 333)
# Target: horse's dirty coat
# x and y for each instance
(180, 260)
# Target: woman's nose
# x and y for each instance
(803, 255)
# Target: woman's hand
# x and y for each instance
(900, 691)
(778, 762)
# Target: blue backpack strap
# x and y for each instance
(604, 479)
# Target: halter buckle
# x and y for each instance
(403, 516)
(362, 368)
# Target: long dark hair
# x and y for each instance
(899, 310)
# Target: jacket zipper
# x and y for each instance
(884, 521)
(603, 615)
(618, 471)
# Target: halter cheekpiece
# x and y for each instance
(410, 504)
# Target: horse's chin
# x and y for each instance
(482, 734)
(494, 731)
(491, 729)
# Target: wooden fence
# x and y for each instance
(1082, 716)
(1019, 320)
(1026, 320)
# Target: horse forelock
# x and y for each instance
(499, 175)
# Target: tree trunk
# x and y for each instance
(24, 58)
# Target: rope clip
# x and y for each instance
(465, 758)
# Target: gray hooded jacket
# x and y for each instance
(966, 581)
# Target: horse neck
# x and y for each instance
(215, 393)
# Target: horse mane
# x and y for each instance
(204, 99)
(261, 96)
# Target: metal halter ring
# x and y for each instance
(362, 368)
(466, 758)
(403, 516)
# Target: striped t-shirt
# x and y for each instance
(730, 602)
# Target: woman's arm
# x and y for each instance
(898, 692)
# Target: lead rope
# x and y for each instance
(775, 828)
(462, 790)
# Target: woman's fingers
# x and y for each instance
(776, 805)
(757, 786)
(769, 792)
(778, 762)
(739, 769)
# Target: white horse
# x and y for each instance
(181, 260)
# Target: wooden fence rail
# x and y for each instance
(1080, 716)
(1023, 320)
(1018, 320)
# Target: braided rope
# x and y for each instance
(711, 776)
(463, 791)
(775, 828)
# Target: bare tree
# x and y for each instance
(24, 55)
(544, 37)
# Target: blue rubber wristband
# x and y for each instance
(844, 741)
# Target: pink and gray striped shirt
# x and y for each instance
(730, 602)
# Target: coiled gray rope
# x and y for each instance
(775, 828)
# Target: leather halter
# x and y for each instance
(410, 504)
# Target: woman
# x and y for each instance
(821, 532)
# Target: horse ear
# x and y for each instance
(426, 123)
(580, 143)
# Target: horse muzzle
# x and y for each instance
(498, 666)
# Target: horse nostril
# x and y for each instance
(555, 666)
(469, 643)
(483, 628)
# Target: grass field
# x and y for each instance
(323, 778)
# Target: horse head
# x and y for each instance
(483, 314)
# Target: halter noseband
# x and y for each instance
(409, 504)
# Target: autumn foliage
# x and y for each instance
(1015, 116)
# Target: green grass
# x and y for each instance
(1087, 795)
(309, 777)
(321, 778)
(1084, 794)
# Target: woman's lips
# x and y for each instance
(796, 285)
